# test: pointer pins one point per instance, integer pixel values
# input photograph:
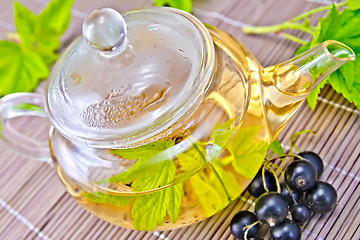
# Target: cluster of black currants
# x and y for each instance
(286, 207)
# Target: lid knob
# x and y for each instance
(104, 29)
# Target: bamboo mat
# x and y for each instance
(34, 204)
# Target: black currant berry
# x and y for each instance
(315, 160)
(287, 230)
(256, 187)
(285, 194)
(300, 175)
(322, 198)
(241, 220)
(300, 213)
(271, 208)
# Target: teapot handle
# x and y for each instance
(21, 105)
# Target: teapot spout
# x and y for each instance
(286, 85)
(301, 74)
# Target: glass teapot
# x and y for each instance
(158, 121)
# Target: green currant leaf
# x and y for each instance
(303, 48)
(53, 22)
(314, 95)
(26, 23)
(20, 72)
(276, 147)
(353, 4)
(161, 174)
(149, 210)
(326, 27)
(248, 155)
(23, 65)
(343, 82)
(41, 33)
(102, 198)
(227, 177)
(222, 133)
(191, 160)
(208, 185)
(344, 27)
(147, 155)
(56, 17)
(144, 152)
(185, 5)
(249, 158)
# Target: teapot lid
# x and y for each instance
(130, 77)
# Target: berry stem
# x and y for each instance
(291, 24)
(276, 166)
(270, 166)
(247, 228)
(263, 177)
(291, 37)
(278, 27)
(291, 193)
(294, 136)
(316, 10)
(291, 148)
(283, 156)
